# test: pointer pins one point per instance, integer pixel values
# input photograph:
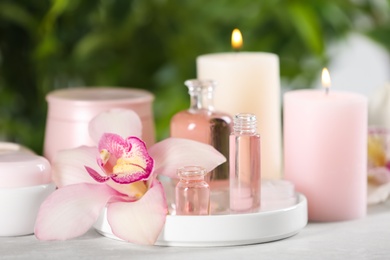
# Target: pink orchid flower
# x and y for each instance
(119, 174)
(378, 152)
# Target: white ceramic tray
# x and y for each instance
(227, 230)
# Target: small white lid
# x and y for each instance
(20, 167)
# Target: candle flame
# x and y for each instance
(325, 78)
(237, 41)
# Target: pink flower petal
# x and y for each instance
(380, 175)
(139, 222)
(173, 153)
(96, 176)
(134, 190)
(125, 161)
(70, 211)
(123, 122)
(135, 165)
(111, 147)
(114, 144)
(68, 166)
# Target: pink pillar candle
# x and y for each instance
(325, 151)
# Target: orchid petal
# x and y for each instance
(114, 144)
(68, 166)
(126, 161)
(133, 190)
(95, 175)
(123, 122)
(70, 211)
(139, 222)
(111, 148)
(173, 153)
(135, 165)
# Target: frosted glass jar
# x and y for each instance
(70, 110)
(25, 184)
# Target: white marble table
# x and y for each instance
(367, 238)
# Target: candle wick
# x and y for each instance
(326, 91)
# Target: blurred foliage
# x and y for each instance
(46, 45)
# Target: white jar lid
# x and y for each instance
(20, 167)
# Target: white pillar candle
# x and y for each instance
(325, 151)
(248, 82)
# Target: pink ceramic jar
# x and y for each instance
(70, 110)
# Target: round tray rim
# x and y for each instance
(226, 230)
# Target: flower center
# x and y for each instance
(128, 165)
(104, 156)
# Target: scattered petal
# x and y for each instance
(68, 166)
(173, 153)
(123, 122)
(139, 222)
(70, 211)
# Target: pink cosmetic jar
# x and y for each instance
(25, 184)
(70, 111)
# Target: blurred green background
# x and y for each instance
(153, 45)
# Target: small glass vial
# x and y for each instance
(244, 167)
(192, 192)
(202, 123)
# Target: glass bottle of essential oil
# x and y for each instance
(192, 192)
(201, 122)
(245, 173)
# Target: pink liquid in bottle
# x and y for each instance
(244, 165)
(192, 192)
(203, 124)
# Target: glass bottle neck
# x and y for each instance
(245, 124)
(202, 94)
(191, 173)
(202, 100)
